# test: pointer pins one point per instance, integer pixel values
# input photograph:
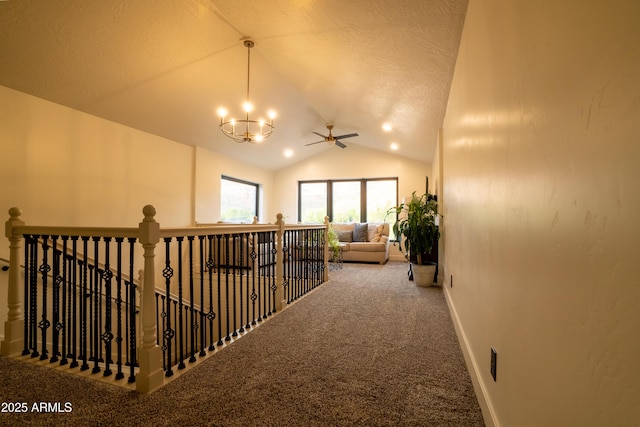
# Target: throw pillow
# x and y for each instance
(360, 232)
(345, 236)
(374, 232)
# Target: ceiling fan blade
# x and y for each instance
(340, 144)
(349, 135)
(312, 143)
(319, 134)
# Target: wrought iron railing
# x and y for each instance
(77, 302)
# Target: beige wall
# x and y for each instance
(541, 147)
(352, 162)
(61, 166)
(210, 167)
(64, 167)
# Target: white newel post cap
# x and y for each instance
(14, 219)
(149, 228)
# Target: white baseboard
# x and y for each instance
(488, 412)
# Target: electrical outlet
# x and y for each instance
(494, 362)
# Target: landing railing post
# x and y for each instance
(150, 376)
(14, 325)
(280, 301)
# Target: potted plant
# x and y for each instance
(334, 245)
(417, 233)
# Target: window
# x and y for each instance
(313, 202)
(353, 200)
(346, 200)
(238, 200)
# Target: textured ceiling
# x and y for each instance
(165, 66)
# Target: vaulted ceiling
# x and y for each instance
(165, 66)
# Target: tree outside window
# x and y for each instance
(238, 200)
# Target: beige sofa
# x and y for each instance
(366, 242)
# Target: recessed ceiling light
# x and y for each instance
(387, 127)
(394, 146)
(288, 153)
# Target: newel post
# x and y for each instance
(280, 301)
(325, 276)
(14, 325)
(150, 376)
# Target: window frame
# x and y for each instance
(329, 183)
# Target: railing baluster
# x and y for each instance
(256, 268)
(64, 282)
(44, 322)
(181, 333)
(234, 273)
(201, 312)
(192, 322)
(130, 318)
(55, 308)
(168, 332)
(83, 305)
(27, 302)
(219, 261)
(242, 259)
(211, 316)
(227, 261)
(107, 336)
(95, 299)
(119, 339)
(73, 318)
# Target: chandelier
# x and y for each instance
(245, 129)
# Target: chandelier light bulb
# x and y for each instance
(247, 107)
(272, 114)
(222, 112)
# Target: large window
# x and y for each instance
(349, 200)
(346, 201)
(238, 200)
(313, 201)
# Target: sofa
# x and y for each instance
(363, 242)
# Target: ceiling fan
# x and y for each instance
(332, 140)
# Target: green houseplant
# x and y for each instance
(417, 233)
(334, 245)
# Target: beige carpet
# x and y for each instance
(369, 348)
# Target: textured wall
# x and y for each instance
(540, 161)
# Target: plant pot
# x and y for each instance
(424, 275)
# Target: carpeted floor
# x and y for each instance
(369, 348)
